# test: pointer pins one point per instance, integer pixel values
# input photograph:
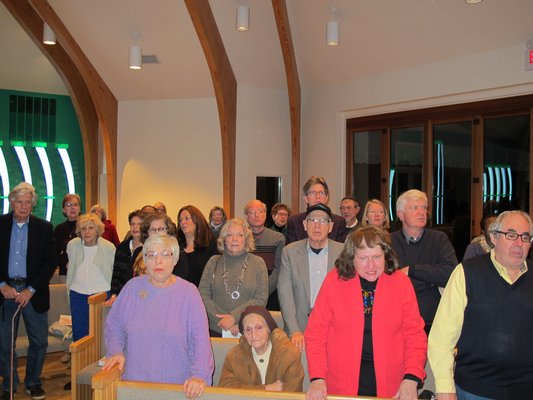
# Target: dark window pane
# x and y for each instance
(452, 160)
(405, 163)
(366, 165)
(506, 159)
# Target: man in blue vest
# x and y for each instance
(486, 313)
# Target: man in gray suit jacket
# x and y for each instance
(304, 265)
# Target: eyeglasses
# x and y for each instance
(313, 193)
(416, 208)
(152, 255)
(72, 205)
(512, 236)
(347, 208)
(255, 212)
(321, 221)
(282, 214)
(157, 230)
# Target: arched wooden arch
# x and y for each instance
(95, 105)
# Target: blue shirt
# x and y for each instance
(17, 250)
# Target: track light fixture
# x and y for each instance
(136, 53)
(49, 36)
(333, 29)
(243, 18)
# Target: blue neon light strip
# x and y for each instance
(391, 179)
(5, 182)
(501, 171)
(484, 187)
(41, 152)
(23, 159)
(63, 153)
(498, 183)
(509, 174)
(491, 183)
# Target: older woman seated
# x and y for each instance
(365, 335)
(157, 329)
(265, 358)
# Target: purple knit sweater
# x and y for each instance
(162, 332)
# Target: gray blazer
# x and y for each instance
(294, 284)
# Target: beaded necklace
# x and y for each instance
(234, 294)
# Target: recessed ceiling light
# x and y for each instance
(473, 1)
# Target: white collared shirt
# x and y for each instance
(318, 269)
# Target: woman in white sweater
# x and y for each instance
(90, 268)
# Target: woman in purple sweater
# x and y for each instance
(157, 329)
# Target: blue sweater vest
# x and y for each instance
(495, 349)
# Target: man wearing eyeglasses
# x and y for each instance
(315, 191)
(304, 265)
(425, 255)
(268, 245)
(486, 313)
(349, 209)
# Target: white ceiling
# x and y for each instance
(377, 36)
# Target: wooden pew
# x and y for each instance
(88, 349)
(131, 390)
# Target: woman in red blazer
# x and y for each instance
(365, 335)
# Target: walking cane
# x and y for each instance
(13, 352)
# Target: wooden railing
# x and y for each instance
(108, 386)
(87, 350)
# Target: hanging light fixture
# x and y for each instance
(136, 57)
(243, 18)
(473, 1)
(333, 29)
(49, 36)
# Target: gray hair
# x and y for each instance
(413, 194)
(20, 190)
(249, 243)
(164, 240)
(86, 219)
(249, 205)
(498, 222)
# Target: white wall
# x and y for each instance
(263, 141)
(475, 77)
(170, 151)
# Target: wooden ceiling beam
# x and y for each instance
(293, 87)
(104, 101)
(225, 87)
(95, 105)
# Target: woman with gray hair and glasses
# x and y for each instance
(157, 329)
(234, 280)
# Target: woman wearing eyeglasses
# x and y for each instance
(234, 280)
(152, 224)
(157, 329)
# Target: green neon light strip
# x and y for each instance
(18, 143)
(39, 144)
(61, 146)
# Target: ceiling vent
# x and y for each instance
(150, 59)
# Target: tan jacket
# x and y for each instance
(240, 371)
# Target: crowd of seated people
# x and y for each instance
(322, 260)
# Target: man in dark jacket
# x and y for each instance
(27, 261)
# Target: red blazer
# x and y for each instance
(334, 334)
